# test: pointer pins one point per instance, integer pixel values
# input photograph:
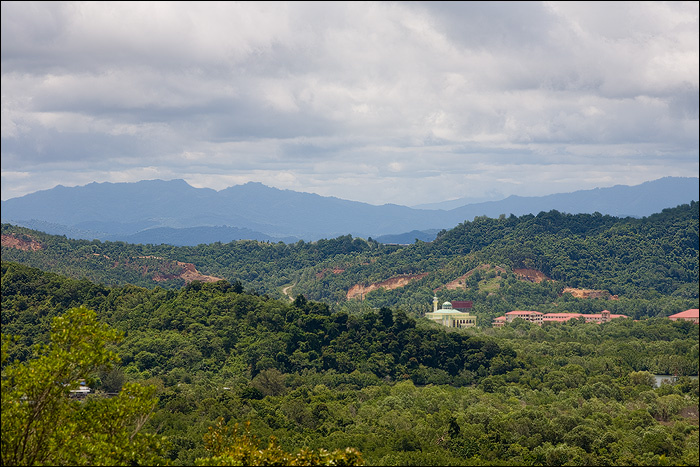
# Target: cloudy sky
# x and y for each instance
(380, 102)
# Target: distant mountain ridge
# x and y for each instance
(174, 212)
(619, 201)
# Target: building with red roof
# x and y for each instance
(559, 317)
(532, 316)
(462, 305)
(602, 317)
(499, 322)
(539, 318)
(687, 315)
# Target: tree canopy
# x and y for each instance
(43, 425)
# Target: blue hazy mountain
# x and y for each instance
(409, 237)
(620, 200)
(174, 212)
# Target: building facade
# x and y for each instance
(449, 317)
(539, 318)
(531, 316)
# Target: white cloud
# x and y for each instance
(378, 102)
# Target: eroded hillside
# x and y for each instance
(157, 269)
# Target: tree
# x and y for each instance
(43, 425)
(230, 447)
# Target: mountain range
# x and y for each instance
(173, 212)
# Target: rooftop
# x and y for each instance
(692, 313)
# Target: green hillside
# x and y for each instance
(402, 391)
(648, 267)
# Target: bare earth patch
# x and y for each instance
(589, 293)
(185, 271)
(26, 243)
(188, 273)
(460, 282)
(357, 291)
(322, 274)
(536, 276)
(532, 275)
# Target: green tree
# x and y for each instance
(43, 425)
(230, 447)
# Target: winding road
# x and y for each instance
(286, 291)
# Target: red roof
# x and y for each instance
(520, 312)
(692, 313)
(500, 318)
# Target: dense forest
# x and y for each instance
(400, 390)
(648, 267)
(252, 341)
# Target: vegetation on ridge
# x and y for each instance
(637, 260)
(399, 390)
(319, 374)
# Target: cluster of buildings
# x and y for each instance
(456, 314)
(539, 318)
(602, 317)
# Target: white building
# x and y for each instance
(449, 317)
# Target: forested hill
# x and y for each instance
(402, 391)
(643, 267)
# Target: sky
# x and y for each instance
(379, 102)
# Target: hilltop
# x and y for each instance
(500, 264)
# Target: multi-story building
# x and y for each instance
(532, 316)
(539, 318)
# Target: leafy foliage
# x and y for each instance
(635, 259)
(229, 447)
(43, 425)
(318, 373)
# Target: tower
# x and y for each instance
(435, 304)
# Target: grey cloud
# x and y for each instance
(309, 91)
(492, 24)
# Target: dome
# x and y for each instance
(447, 306)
